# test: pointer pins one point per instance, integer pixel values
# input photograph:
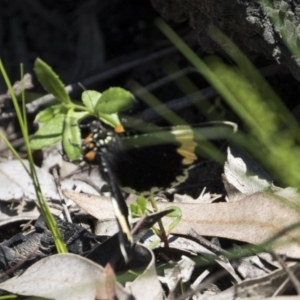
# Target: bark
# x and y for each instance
(246, 22)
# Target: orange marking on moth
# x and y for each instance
(90, 156)
(119, 128)
(88, 138)
(87, 142)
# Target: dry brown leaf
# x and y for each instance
(263, 287)
(254, 219)
(243, 173)
(62, 277)
(16, 184)
(284, 298)
(99, 207)
(146, 285)
(270, 285)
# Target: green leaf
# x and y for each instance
(111, 120)
(138, 209)
(50, 81)
(114, 100)
(49, 134)
(80, 115)
(177, 214)
(49, 113)
(142, 204)
(71, 137)
(90, 99)
(134, 209)
(154, 244)
(156, 231)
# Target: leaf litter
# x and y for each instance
(256, 211)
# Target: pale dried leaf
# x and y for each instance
(52, 156)
(269, 259)
(146, 285)
(254, 219)
(194, 248)
(225, 295)
(24, 84)
(283, 298)
(99, 207)
(267, 285)
(19, 212)
(251, 267)
(203, 198)
(62, 277)
(233, 194)
(16, 184)
(91, 176)
(289, 193)
(244, 174)
(181, 271)
(106, 227)
(263, 287)
(84, 187)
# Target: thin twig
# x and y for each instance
(290, 273)
(105, 75)
(206, 243)
(61, 196)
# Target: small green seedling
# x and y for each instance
(60, 122)
(139, 208)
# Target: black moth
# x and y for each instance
(147, 162)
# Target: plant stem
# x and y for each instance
(162, 233)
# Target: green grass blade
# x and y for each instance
(42, 204)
